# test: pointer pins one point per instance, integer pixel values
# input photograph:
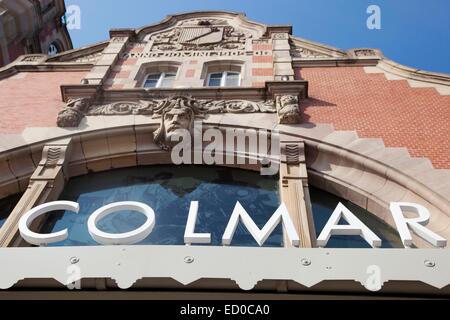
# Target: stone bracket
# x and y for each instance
(46, 184)
(294, 190)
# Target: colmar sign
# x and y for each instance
(354, 227)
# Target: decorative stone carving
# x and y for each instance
(122, 108)
(72, 113)
(307, 53)
(200, 35)
(288, 109)
(75, 110)
(156, 106)
(291, 153)
(365, 53)
(203, 22)
(32, 59)
(118, 39)
(302, 52)
(90, 58)
(52, 156)
(280, 36)
(176, 113)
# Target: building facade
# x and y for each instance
(32, 26)
(344, 130)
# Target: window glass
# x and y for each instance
(232, 79)
(7, 205)
(167, 80)
(169, 191)
(215, 79)
(323, 205)
(53, 49)
(152, 80)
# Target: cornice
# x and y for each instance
(363, 57)
(172, 20)
(98, 93)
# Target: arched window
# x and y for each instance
(169, 191)
(160, 80)
(223, 73)
(54, 48)
(161, 74)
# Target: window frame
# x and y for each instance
(223, 80)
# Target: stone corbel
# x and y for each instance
(294, 190)
(46, 184)
(287, 96)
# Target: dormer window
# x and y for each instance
(224, 79)
(160, 80)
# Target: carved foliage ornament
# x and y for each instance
(302, 52)
(72, 113)
(156, 107)
(288, 109)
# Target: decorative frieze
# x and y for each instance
(193, 54)
(365, 53)
(118, 39)
(307, 53)
(156, 107)
(280, 36)
(32, 59)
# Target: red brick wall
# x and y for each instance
(32, 99)
(350, 99)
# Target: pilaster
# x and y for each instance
(46, 184)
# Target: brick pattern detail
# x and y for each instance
(350, 99)
(32, 99)
(262, 72)
(261, 46)
(262, 59)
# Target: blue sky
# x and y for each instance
(415, 33)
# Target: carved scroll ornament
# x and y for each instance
(155, 107)
(286, 106)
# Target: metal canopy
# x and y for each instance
(246, 266)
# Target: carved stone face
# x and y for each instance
(176, 119)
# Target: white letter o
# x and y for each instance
(127, 238)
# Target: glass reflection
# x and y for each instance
(169, 191)
(7, 205)
(323, 205)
